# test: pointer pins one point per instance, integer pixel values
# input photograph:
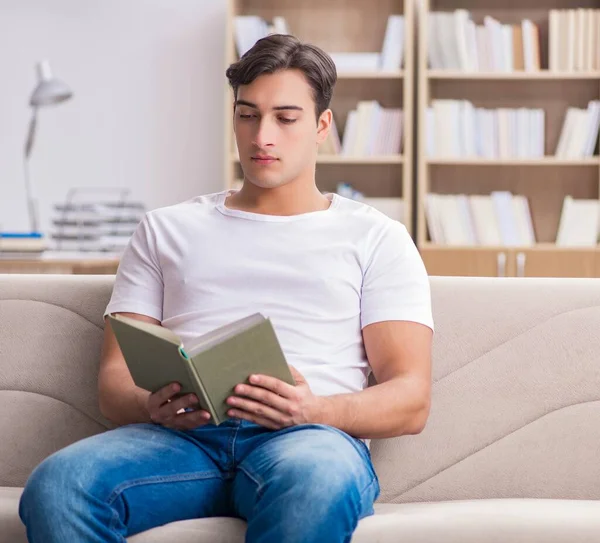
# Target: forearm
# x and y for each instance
(121, 401)
(397, 407)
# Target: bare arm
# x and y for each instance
(399, 353)
(122, 402)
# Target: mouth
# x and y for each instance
(264, 160)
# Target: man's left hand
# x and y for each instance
(275, 404)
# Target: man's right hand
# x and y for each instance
(165, 408)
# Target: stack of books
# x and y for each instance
(457, 129)
(95, 227)
(22, 245)
(579, 132)
(498, 219)
(372, 130)
(455, 42)
(251, 28)
(574, 40)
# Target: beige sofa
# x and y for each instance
(511, 452)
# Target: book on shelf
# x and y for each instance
(574, 40)
(209, 366)
(248, 29)
(579, 223)
(456, 42)
(458, 129)
(371, 130)
(497, 219)
(579, 132)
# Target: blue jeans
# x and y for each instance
(300, 484)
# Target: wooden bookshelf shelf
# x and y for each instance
(543, 75)
(546, 162)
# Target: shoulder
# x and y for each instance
(182, 212)
(372, 224)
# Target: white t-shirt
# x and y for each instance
(320, 277)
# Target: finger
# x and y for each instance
(264, 396)
(191, 420)
(259, 410)
(170, 409)
(274, 385)
(162, 395)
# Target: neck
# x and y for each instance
(290, 199)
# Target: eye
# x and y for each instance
(246, 116)
(285, 120)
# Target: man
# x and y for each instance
(347, 293)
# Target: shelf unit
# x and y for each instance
(344, 26)
(544, 181)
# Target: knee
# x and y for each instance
(54, 481)
(320, 482)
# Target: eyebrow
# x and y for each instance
(276, 108)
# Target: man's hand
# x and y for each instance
(166, 409)
(274, 404)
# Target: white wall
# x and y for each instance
(147, 112)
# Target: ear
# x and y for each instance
(233, 117)
(324, 125)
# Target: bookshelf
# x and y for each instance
(543, 180)
(344, 26)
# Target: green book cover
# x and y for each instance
(209, 366)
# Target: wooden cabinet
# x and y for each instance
(557, 263)
(539, 261)
(491, 262)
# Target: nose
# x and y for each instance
(265, 134)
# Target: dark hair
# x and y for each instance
(282, 52)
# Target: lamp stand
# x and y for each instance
(31, 199)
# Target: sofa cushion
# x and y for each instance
(469, 521)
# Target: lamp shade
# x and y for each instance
(49, 90)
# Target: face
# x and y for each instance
(276, 130)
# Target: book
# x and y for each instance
(209, 366)
(497, 219)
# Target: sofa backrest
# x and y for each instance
(516, 394)
(51, 332)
